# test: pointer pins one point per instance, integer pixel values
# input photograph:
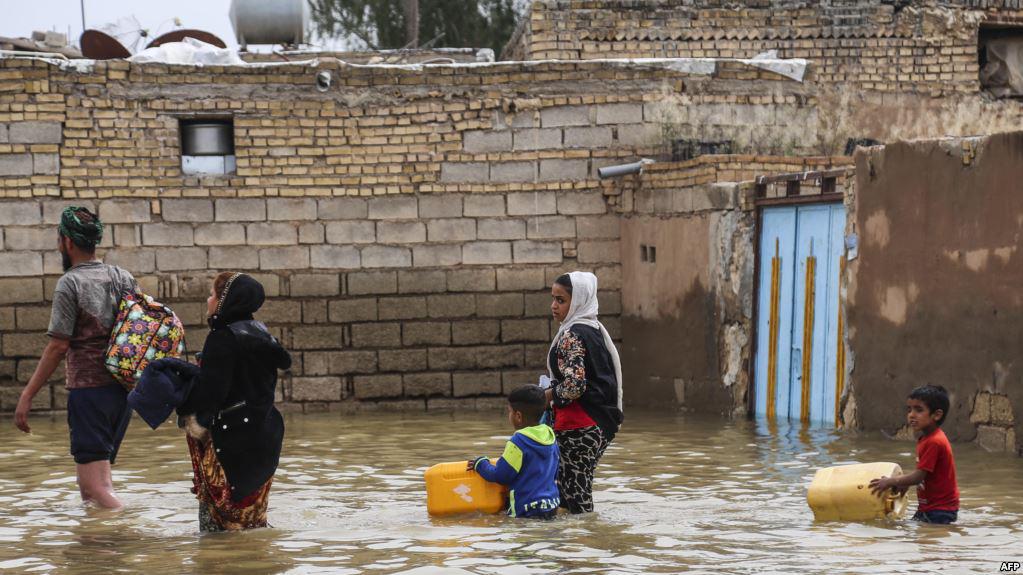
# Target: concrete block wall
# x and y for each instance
(436, 301)
(29, 155)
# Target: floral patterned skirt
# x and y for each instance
(209, 484)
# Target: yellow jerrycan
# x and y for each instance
(451, 489)
(842, 493)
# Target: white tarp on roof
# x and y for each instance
(189, 51)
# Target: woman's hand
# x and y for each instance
(196, 431)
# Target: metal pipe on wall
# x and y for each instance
(623, 169)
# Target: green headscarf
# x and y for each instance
(81, 226)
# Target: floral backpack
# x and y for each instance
(144, 330)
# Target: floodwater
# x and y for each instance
(673, 494)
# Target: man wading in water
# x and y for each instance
(84, 307)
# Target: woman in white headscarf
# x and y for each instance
(586, 387)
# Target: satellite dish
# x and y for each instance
(128, 31)
(179, 35)
(97, 45)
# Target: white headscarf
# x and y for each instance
(583, 311)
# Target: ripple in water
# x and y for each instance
(673, 494)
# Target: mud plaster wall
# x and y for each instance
(685, 328)
(687, 317)
(671, 348)
(934, 296)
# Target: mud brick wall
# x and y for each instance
(874, 45)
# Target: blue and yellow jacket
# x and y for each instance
(528, 466)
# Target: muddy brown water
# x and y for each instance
(673, 494)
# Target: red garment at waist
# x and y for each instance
(572, 416)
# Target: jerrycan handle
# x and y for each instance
(894, 501)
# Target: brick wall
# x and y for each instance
(874, 45)
(380, 130)
(708, 183)
(406, 223)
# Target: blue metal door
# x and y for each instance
(800, 360)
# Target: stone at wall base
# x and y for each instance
(996, 439)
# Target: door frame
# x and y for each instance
(792, 197)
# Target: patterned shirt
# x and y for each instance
(571, 357)
(585, 382)
(84, 307)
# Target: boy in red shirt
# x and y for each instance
(935, 477)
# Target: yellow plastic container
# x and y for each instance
(451, 489)
(842, 493)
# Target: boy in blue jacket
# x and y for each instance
(529, 464)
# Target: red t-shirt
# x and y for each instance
(940, 490)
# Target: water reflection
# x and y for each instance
(673, 494)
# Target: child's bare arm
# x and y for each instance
(882, 484)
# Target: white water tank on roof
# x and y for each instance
(269, 21)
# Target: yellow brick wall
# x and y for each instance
(872, 45)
